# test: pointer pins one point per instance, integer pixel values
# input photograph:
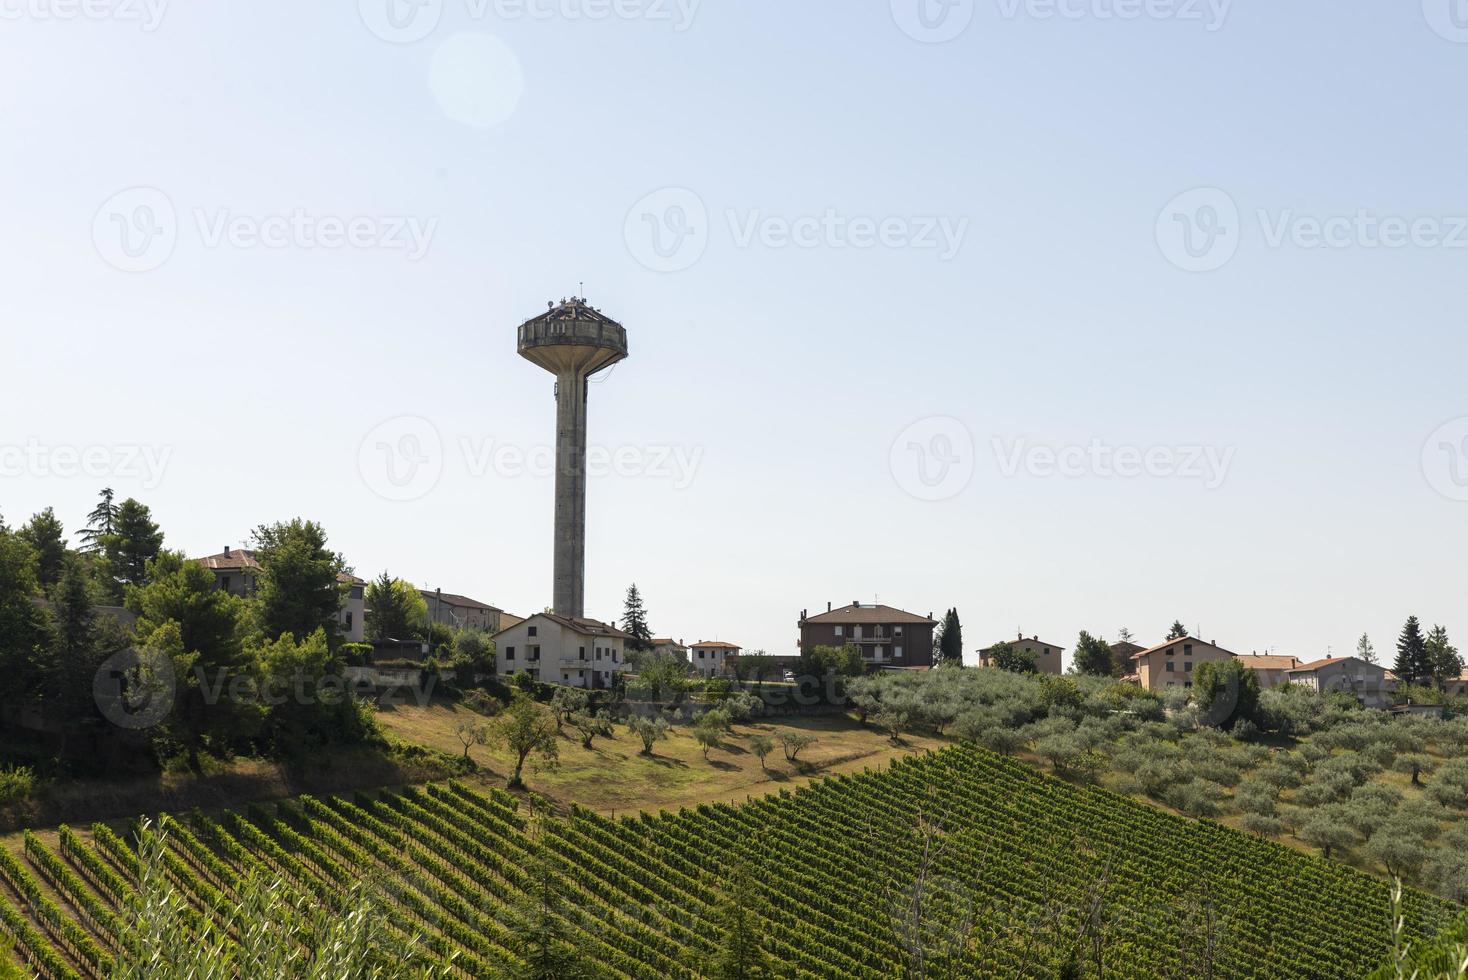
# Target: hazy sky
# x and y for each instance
(1068, 313)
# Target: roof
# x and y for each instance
(1024, 639)
(1126, 647)
(664, 641)
(576, 624)
(1182, 639)
(874, 613)
(717, 643)
(1328, 661)
(454, 599)
(240, 559)
(572, 309)
(1265, 661)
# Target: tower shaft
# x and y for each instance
(569, 589)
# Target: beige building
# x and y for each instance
(1047, 655)
(1459, 687)
(1371, 684)
(1171, 664)
(461, 612)
(663, 645)
(1269, 669)
(712, 658)
(236, 570)
(576, 652)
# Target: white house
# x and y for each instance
(710, 657)
(577, 652)
(1371, 684)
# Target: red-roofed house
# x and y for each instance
(1171, 664)
(712, 657)
(575, 651)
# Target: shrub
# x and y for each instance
(16, 783)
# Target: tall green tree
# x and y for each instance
(298, 590)
(1227, 693)
(634, 620)
(1093, 656)
(1413, 664)
(1365, 650)
(950, 641)
(24, 636)
(396, 610)
(1446, 662)
(133, 542)
(182, 599)
(99, 523)
(46, 537)
(1178, 630)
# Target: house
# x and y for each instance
(1270, 670)
(1459, 687)
(236, 570)
(1171, 664)
(1047, 655)
(666, 646)
(575, 651)
(461, 612)
(886, 636)
(711, 658)
(1371, 684)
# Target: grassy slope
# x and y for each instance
(613, 777)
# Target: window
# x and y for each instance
(533, 653)
(1188, 666)
(897, 631)
(509, 653)
(700, 655)
(532, 630)
(347, 619)
(1171, 667)
(1187, 649)
(224, 583)
(839, 630)
(897, 652)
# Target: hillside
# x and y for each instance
(1025, 872)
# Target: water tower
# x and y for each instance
(572, 341)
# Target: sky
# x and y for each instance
(1070, 314)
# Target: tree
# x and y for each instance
(659, 677)
(893, 722)
(1327, 829)
(396, 610)
(948, 642)
(794, 742)
(1227, 693)
(739, 955)
(524, 729)
(23, 632)
(1443, 658)
(1178, 630)
(634, 621)
(649, 729)
(1123, 635)
(589, 725)
(1400, 851)
(1093, 656)
(1006, 656)
(707, 734)
(1365, 650)
(1415, 764)
(761, 745)
(842, 661)
(99, 523)
(1413, 664)
(45, 536)
(208, 620)
(566, 702)
(133, 542)
(471, 732)
(298, 591)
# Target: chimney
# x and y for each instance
(856, 603)
(226, 551)
(828, 607)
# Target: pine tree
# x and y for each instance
(44, 534)
(1093, 656)
(1124, 635)
(133, 542)
(1412, 663)
(1365, 650)
(1443, 658)
(1178, 630)
(99, 523)
(950, 640)
(634, 620)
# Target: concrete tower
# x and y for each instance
(573, 342)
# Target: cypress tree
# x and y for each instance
(1413, 664)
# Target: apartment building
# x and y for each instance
(886, 636)
(575, 651)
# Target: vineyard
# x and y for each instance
(959, 854)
